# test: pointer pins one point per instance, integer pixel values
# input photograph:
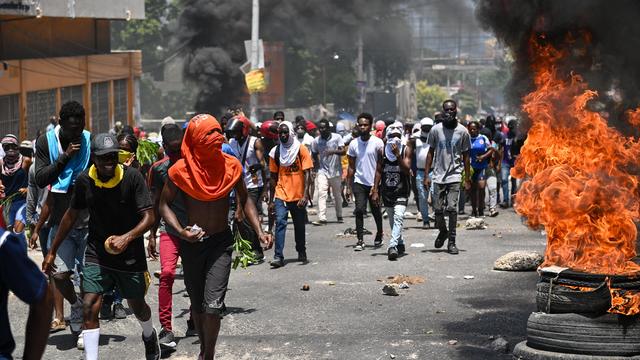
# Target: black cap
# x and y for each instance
(104, 144)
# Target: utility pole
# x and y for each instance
(360, 71)
(255, 24)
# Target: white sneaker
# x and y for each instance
(80, 342)
(75, 318)
(419, 217)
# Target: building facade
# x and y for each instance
(61, 51)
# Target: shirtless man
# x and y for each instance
(203, 179)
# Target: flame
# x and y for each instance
(581, 175)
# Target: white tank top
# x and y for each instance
(422, 149)
(249, 161)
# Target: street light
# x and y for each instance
(324, 78)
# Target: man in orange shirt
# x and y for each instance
(290, 168)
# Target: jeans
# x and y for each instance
(462, 200)
(71, 251)
(423, 196)
(491, 198)
(396, 221)
(504, 174)
(361, 196)
(169, 252)
(298, 216)
(324, 184)
(446, 199)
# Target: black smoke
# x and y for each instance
(212, 33)
(609, 63)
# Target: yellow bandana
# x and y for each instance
(124, 155)
(93, 173)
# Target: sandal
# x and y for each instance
(57, 325)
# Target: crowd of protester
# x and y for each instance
(86, 200)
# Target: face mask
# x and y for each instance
(124, 156)
(450, 122)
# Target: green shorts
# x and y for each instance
(98, 280)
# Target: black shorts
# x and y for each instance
(207, 266)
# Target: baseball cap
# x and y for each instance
(104, 144)
(26, 144)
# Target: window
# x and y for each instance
(71, 93)
(100, 107)
(120, 100)
(10, 114)
(41, 105)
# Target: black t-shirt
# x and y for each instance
(15, 182)
(114, 211)
(46, 174)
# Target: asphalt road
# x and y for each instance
(345, 315)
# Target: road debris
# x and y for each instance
(519, 261)
(417, 245)
(305, 287)
(390, 290)
(469, 277)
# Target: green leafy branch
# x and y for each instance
(243, 249)
(6, 206)
(147, 152)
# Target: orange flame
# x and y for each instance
(581, 174)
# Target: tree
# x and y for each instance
(429, 98)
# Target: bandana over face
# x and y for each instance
(205, 173)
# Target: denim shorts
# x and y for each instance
(478, 175)
(70, 254)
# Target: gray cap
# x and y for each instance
(104, 144)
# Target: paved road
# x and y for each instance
(345, 315)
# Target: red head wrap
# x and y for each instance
(205, 173)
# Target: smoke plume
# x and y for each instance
(609, 63)
(213, 34)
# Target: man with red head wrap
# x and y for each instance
(203, 179)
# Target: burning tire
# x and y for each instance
(568, 300)
(575, 278)
(606, 335)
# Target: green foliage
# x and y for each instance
(147, 152)
(244, 251)
(467, 102)
(429, 98)
(153, 35)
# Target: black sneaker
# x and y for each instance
(345, 204)
(105, 310)
(392, 253)
(119, 312)
(359, 246)
(152, 346)
(452, 248)
(277, 263)
(191, 329)
(302, 256)
(166, 339)
(442, 236)
(401, 249)
(378, 241)
(340, 220)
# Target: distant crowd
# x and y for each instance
(207, 189)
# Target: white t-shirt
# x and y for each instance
(366, 155)
(422, 149)
(330, 165)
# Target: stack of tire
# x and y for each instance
(572, 321)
